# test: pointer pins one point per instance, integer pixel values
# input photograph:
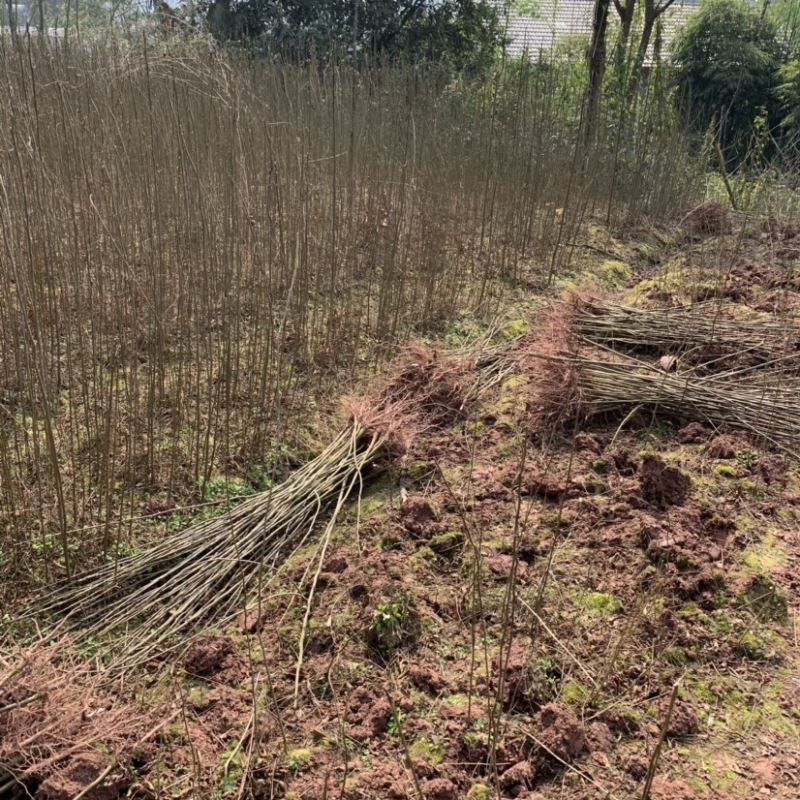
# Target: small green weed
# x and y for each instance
(394, 622)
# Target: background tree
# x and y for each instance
(596, 61)
(467, 33)
(788, 93)
(626, 11)
(726, 62)
(92, 18)
(652, 11)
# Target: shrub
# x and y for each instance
(788, 93)
(726, 61)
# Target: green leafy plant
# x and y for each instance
(788, 93)
(466, 33)
(726, 60)
(299, 758)
(387, 618)
(394, 623)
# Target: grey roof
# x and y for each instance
(536, 34)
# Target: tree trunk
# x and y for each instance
(596, 58)
(652, 11)
(626, 13)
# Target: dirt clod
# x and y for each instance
(636, 767)
(664, 789)
(661, 484)
(693, 433)
(426, 678)
(439, 789)
(708, 219)
(560, 733)
(600, 737)
(587, 443)
(520, 680)
(419, 517)
(336, 565)
(82, 770)
(211, 655)
(368, 715)
(518, 777)
(773, 469)
(722, 447)
(683, 722)
(251, 621)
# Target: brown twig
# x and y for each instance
(652, 766)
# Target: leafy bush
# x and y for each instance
(466, 34)
(788, 92)
(726, 62)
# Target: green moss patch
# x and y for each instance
(423, 750)
(602, 605)
(765, 599)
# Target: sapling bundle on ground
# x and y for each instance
(706, 330)
(766, 408)
(204, 574)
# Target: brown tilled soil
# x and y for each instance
(530, 617)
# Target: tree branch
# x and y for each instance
(660, 9)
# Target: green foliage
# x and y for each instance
(387, 618)
(602, 605)
(394, 623)
(423, 750)
(574, 694)
(91, 18)
(726, 60)
(299, 758)
(465, 33)
(788, 93)
(786, 16)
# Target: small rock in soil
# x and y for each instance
(668, 363)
